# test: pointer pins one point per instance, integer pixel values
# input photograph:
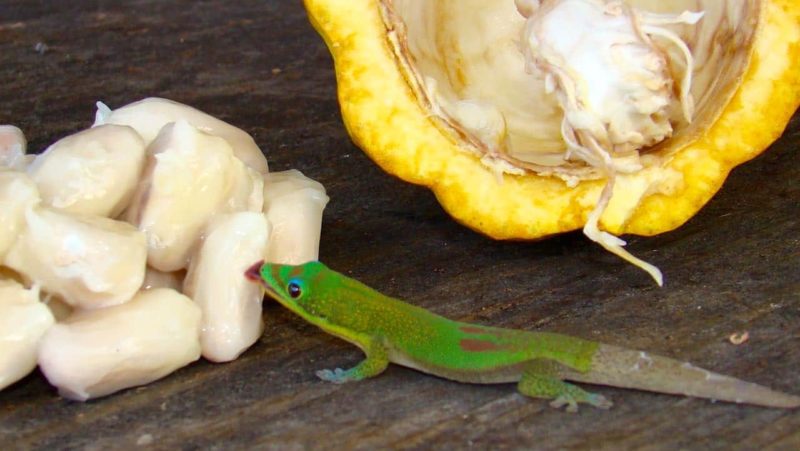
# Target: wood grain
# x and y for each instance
(259, 64)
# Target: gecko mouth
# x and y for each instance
(253, 273)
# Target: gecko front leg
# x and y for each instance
(541, 379)
(376, 361)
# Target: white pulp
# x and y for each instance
(614, 85)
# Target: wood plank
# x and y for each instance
(733, 267)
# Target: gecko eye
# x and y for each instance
(294, 290)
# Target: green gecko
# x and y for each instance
(389, 330)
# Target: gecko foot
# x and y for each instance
(541, 380)
(337, 376)
(599, 401)
(593, 399)
(565, 400)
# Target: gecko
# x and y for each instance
(540, 363)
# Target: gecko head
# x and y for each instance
(288, 284)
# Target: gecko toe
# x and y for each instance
(564, 400)
(599, 401)
(326, 375)
(337, 376)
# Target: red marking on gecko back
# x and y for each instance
(480, 345)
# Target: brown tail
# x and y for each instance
(619, 367)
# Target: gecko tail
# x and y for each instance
(625, 368)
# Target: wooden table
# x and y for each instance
(259, 64)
